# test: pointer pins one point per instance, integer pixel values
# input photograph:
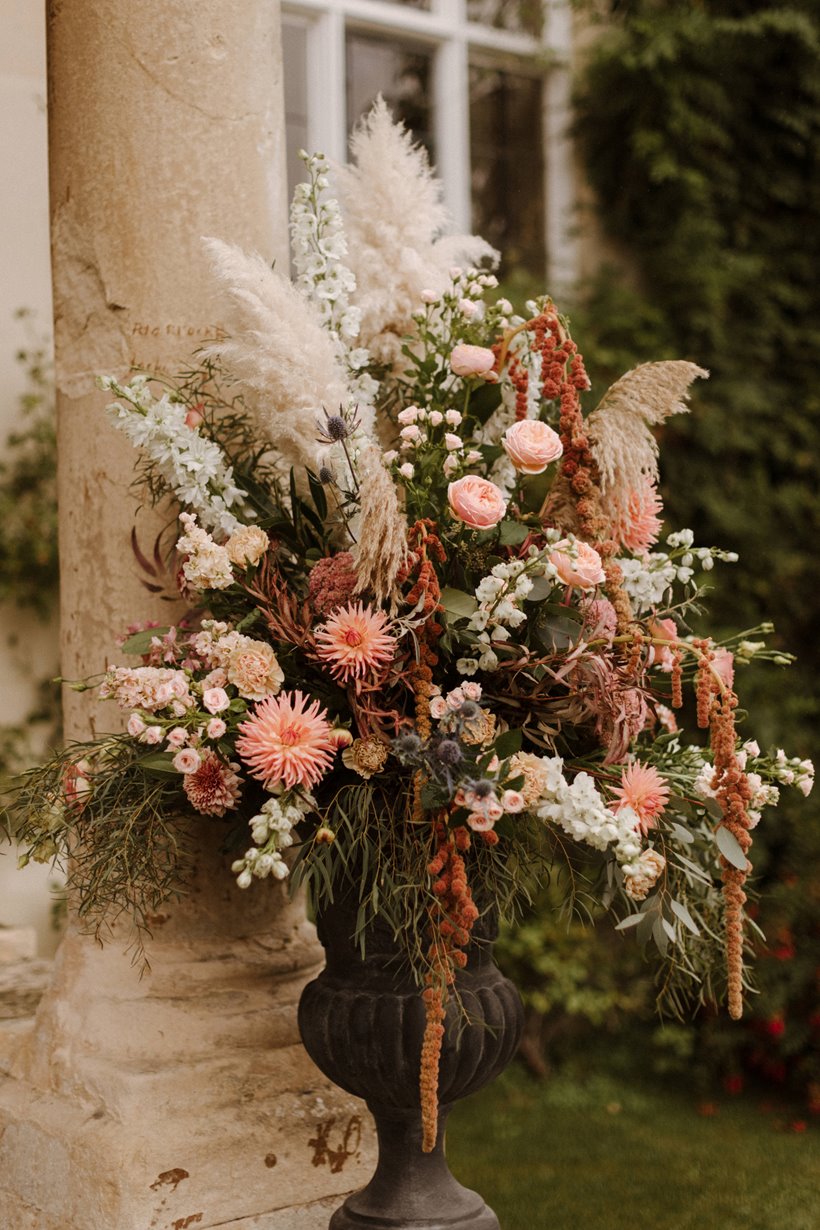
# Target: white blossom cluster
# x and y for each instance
(271, 830)
(499, 596)
(580, 811)
(649, 579)
(193, 467)
(793, 772)
(461, 303)
(319, 246)
(208, 565)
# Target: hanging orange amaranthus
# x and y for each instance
(451, 922)
(717, 703)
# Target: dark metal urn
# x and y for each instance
(362, 1022)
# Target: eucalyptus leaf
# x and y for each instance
(458, 603)
(631, 920)
(679, 909)
(682, 834)
(730, 848)
(542, 587)
(660, 935)
(511, 533)
(556, 632)
(713, 808)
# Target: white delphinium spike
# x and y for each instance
(319, 249)
(394, 218)
(278, 350)
(619, 429)
(194, 467)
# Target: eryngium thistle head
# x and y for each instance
(407, 747)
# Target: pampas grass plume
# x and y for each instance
(277, 350)
(621, 438)
(395, 219)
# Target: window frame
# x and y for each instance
(445, 30)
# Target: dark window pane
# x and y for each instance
(507, 166)
(522, 16)
(398, 71)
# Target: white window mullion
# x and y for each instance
(452, 114)
(559, 187)
(327, 94)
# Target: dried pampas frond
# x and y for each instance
(277, 350)
(623, 446)
(382, 531)
(394, 219)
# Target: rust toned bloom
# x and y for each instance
(366, 756)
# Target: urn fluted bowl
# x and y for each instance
(362, 1022)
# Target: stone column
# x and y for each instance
(182, 1098)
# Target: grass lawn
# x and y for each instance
(610, 1152)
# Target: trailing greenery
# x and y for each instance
(700, 132)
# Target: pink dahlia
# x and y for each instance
(287, 740)
(638, 526)
(354, 641)
(214, 788)
(644, 790)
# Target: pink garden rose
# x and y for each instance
(215, 699)
(585, 571)
(187, 761)
(531, 446)
(473, 361)
(477, 502)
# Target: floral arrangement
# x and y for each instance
(439, 647)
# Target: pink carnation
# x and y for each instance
(476, 501)
(287, 740)
(724, 664)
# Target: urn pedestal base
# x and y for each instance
(362, 1022)
(417, 1188)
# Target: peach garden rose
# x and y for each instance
(476, 501)
(582, 569)
(532, 445)
(473, 361)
